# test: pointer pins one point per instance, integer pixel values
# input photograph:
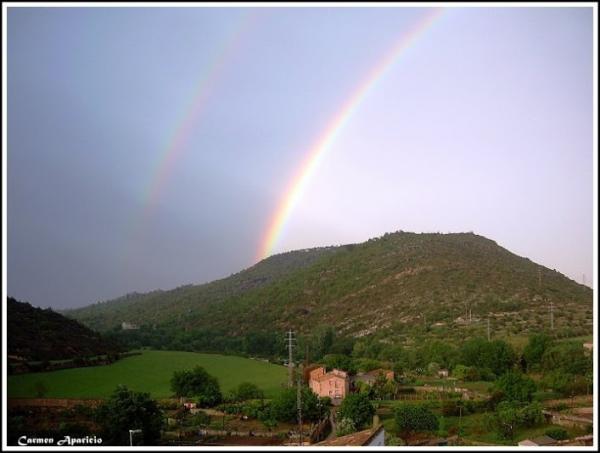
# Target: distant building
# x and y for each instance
(538, 442)
(334, 384)
(589, 346)
(443, 373)
(374, 437)
(128, 326)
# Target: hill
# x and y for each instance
(38, 334)
(396, 287)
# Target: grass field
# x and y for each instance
(149, 372)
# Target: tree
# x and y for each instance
(496, 355)
(248, 391)
(507, 416)
(127, 410)
(465, 373)
(341, 362)
(358, 408)
(285, 409)
(515, 386)
(566, 357)
(534, 350)
(412, 418)
(197, 383)
(566, 384)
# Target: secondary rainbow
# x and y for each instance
(206, 85)
(315, 155)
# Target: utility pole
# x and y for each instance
(488, 327)
(299, 403)
(539, 277)
(551, 315)
(290, 346)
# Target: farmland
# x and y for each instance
(149, 372)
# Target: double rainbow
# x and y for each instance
(315, 155)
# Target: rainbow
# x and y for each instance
(206, 85)
(300, 180)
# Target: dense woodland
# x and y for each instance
(36, 334)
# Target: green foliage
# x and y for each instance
(511, 415)
(358, 408)
(568, 357)
(557, 433)
(43, 334)
(412, 418)
(285, 409)
(197, 383)
(344, 427)
(127, 410)
(402, 276)
(534, 350)
(515, 386)
(339, 361)
(507, 419)
(248, 391)
(496, 355)
(566, 384)
(465, 373)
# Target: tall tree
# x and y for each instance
(127, 410)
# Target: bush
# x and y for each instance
(248, 391)
(412, 418)
(358, 408)
(197, 383)
(557, 433)
(515, 386)
(344, 427)
(129, 410)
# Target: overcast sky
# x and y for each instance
(483, 124)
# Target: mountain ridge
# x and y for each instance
(390, 283)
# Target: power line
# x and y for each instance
(299, 403)
(290, 346)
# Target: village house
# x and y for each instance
(334, 384)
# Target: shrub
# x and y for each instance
(358, 408)
(344, 427)
(198, 383)
(248, 391)
(412, 418)
(557, 433)
(515, 386)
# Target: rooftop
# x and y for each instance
(354, 439)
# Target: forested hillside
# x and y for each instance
(38, 334)
(395, 288)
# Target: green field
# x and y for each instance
(149, 372)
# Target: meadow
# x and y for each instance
(149, 372)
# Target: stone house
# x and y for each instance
(334, 384)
